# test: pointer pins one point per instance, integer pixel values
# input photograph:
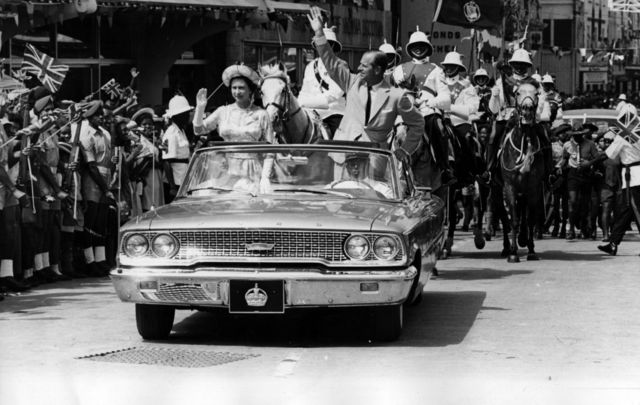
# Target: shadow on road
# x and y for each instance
(441, 319)
(50, 295)
(479, 274)
(596, 255)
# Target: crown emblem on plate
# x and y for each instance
(256, 297)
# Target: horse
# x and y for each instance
(468, 164)
(522, 169)
(291, 122)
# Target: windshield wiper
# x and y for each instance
(193, 190)
(314, 191)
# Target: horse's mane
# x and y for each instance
(274, 70)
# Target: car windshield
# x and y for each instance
(316, 171)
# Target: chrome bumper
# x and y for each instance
(209, 287)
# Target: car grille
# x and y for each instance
(287, 244)
(176, 292)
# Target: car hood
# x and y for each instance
(279, 212)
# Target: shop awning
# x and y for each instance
(235, 4)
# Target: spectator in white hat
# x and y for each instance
(176, 144)
(623, 106)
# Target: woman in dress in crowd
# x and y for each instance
(241, 121)
(146, 175)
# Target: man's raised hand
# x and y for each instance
(315, 19)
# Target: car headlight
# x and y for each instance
(164, 245)
(135, 245)
(385, 248)
(356, 247)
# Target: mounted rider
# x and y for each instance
(503, 102)
(427, 83)
(553, 98)
(320, 93)
(483, 89)
(464, 104)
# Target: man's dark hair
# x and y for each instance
(379, 59)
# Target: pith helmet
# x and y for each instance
(454, 58)
(331, 37)
(537, 77)
(418, 37)
(178, 105)
(547, 79)
(389, 50)
(521, 55)
(480, 72)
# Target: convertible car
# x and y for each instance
(260, 229)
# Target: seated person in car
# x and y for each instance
(356, 175)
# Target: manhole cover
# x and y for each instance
(168, 357)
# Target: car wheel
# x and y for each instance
(154, 321)
(387, 322)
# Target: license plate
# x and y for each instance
(254, 296)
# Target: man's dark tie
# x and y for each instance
(368, 107)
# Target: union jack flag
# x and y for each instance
(113, 89)
(628, 126)
(44, 67)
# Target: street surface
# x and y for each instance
(564, 330)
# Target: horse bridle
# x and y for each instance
(286, 93)
(284, 115)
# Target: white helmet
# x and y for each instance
(536, 76)
(622, 97)
(178, 105)
(419, 37)
(547, 79)
(481, 72)
(454, 58)
(521, 55)
(388, 49)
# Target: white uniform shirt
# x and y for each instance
(177, 148)
(465, 100)
(325, 102)
(628, 154)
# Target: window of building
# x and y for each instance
(563, 33)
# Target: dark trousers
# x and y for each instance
(624, 213)
(11, 237)
(95, 223)
(437, 136)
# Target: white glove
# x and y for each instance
(398, 75)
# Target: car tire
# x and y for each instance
(387, 322)
(154, 322)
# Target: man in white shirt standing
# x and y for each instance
(624, 106)
(321, 94)
(625, 145)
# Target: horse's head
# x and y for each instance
(527, 102)
(275, 93)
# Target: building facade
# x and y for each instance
(181, 45)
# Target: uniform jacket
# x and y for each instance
(426, 81)
(384, 111)
(319, 92)
(464, 100)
